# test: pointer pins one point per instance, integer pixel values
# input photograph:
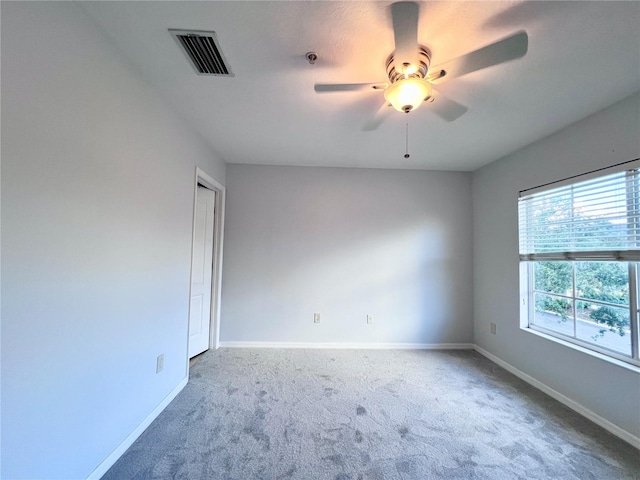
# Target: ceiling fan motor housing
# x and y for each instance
(424, 59)
(407, 91)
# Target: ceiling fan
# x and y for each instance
(410, 76)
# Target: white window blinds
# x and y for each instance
(596, 219)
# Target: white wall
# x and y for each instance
(97, 194)
(606, 138)
(346, 243)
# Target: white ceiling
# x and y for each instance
(583, 56)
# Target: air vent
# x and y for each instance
(203, 51)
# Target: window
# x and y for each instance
(579, 248)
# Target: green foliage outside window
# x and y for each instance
(598, 281)
(615, 322)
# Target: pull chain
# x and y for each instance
(406, 155)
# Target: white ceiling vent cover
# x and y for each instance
(203, 50)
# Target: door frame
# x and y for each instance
(206, 180)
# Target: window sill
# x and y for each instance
(601, 356)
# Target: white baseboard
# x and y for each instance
(572, 404)
(348, 345)
(133, 436)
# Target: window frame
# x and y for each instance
(527, 280)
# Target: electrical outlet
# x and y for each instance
(493, 328)
(369, 319)
(160, 363)
(316, 318)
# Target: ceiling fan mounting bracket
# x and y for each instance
(424, 60)
(437, 75)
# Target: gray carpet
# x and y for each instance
(365, 415)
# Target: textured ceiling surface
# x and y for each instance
(583, 56)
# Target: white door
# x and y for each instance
(201, 272)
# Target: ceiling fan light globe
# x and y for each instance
(407, 94)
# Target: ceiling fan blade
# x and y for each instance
(405, 33)
(446, 108)
(379, 117)
(348, 87)
(510, 48)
